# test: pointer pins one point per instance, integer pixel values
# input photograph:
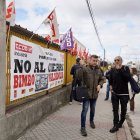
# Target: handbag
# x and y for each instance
(134, 85)
(81, 93)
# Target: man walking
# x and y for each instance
(119, 78)
(73, 73)
(93, 80)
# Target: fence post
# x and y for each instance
(2, 58)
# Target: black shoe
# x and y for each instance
(119, 125)
(106, 99)
(83, 131)
(114, 129)
(92, 125)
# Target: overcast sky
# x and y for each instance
(118, 23)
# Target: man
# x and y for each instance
(93, 80)
(132, 94)
(119, 78)
(73, 72)
(107, 75)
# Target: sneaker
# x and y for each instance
(106, 99)
(83, 131)
(80, 103)
(70, 103)
(92, 125)
(114, 129)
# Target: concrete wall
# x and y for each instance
(2, 68)
(2, 58)
(21, 118)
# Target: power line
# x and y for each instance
(93, 21)
(94, 24)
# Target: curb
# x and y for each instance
(127, 131)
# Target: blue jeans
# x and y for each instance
(107, 90)
(86, 103)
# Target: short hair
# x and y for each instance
(119, 57)
(78, 60)
(134, 71)
(94, 56)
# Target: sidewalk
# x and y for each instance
(134, 118)
(65, 124)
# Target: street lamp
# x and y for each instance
(121, 49)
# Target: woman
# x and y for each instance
(133, 71)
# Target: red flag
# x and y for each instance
(71, 51)
(52, 21)
(80, 53)
(75, 49)
(84, 53)
(88, 57)
(10, 13)
(48, 38)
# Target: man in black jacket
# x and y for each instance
(119, 78)
(73, 72)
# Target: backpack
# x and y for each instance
(134, 85)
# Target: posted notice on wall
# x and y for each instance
(33, 68)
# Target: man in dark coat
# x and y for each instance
(119, 78)
(93, 79)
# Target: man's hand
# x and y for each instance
(98, 88)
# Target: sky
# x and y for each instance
(118, 23)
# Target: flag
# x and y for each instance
(67, 41)
(48, 38)
(52, 21)
(88, 57)
(80, 53)
(84, 53)
(10, 13)
(71, 51)
(85, 56)
(75, 49)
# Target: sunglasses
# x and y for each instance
(95, 60)
(116, 60)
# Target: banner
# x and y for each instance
(33, 68)
(67, 41)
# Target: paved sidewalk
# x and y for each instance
(65, 124)
(135, 118)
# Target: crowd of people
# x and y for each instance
(93, 77)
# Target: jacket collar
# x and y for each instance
(93, 67)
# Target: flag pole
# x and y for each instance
(35, 31)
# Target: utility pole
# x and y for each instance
(2, 59)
